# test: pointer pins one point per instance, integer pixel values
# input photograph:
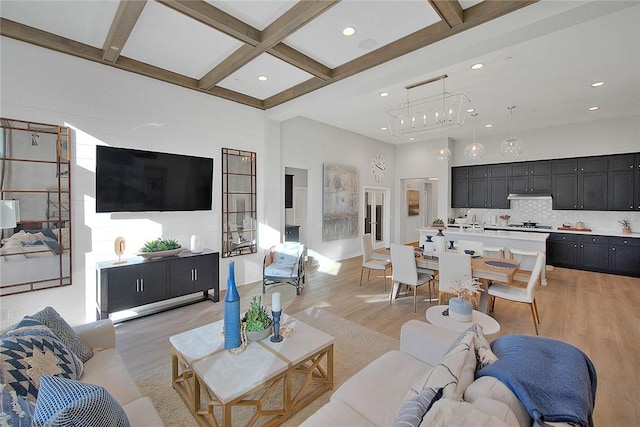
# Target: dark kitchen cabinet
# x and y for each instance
(624, 182)
(624, 255)
(498, 187)
(460, 187)
(580, 183)
(593, 252)
(139, 282)
(562, 250)
(530, 177)
(478, 187)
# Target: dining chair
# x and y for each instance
(451, 268)
(369, 263)
(476, 247)
(493, 251)
(517, 294)
(527, 263)
(405, 271)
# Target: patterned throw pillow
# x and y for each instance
(51, 319)
(414, 408)
(30, 351)
(64, 402)
(16, 410)
(481, 346)
(455, 371)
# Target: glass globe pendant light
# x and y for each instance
(511, 145)
(443, 153)
(475, 149)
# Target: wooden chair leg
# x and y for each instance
(385, 279)
(535, 306)
(394, 291)
(415, 298)
(368, 274)
(361, 273)
(533, 314)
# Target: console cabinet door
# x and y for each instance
(562, 250)
(153, 282)
(206, 270)
(123, 287)
(181, 277)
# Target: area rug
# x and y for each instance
(355, 347)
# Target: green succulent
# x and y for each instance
(160, 244)
(438, 221)
(257, 317)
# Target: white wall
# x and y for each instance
(307, 144)
(107, 106)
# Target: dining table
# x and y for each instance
(489, 269)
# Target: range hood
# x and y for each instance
(525, 196)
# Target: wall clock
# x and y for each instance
(378, 167)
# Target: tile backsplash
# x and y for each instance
(539, 210)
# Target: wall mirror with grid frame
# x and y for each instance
(35, 217)
(239, 217)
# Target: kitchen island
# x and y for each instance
(530, 241)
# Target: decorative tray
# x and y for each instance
(160, 254)
(500, 264)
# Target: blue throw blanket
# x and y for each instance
(555, 381)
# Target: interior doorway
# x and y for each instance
(296, 203)
(420, 207)
(377, 215)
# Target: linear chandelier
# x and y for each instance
(431, 113)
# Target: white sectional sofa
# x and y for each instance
(106, 368)
(374, 396)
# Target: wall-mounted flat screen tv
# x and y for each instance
(137, 181)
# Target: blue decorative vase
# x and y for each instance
(428, 245)
(231, 312)
(460, 309)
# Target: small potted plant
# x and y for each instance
(257, 321)
(160, 247)
(438, 223)
(626, 226)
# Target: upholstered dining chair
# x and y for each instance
(476, 247)
(517, 294)
(405, 271)
(372, 264)
(451, 267)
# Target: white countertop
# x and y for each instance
(502, 234)
(611, 233)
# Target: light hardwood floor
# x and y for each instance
(597, 313)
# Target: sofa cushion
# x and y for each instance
(16, 410)
(492, 388)
(51, 319)
(484, 354)
(142, 413)
(448, 412)
(378, 390)
(107, 369)
(498, 410)
(413, 409)
(336, 413)
(68, 403)
(30, 351)
(277, 270)
(455, 371)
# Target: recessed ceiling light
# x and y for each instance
(594, 108)
(383, 128)
(488, 126)
(411, 139)
(477, 66)
(263, 78)
(384, 93)
(597, 84)
(471, 110)
(114, 47)
(349, 31)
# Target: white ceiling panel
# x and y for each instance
(377, 23)
(171, 40)
(85, 21)
(258, 14)
(281, 76)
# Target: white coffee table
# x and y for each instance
(207, 376)
(434, 316)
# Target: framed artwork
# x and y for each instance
(413, 202)
(340, 202)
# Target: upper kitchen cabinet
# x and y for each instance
(580, 183)
(497, 184)
(460, 187)
(624, 182)
(481, 186)
(530, 177)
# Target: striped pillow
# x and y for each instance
(62, 402)
(414, 408)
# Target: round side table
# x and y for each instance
(434, 316)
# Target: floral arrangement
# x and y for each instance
(466, 287)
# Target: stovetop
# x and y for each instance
(546, 227)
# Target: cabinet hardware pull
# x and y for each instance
(196, 273)
(141, 285)
(137, 285)
(613, 249)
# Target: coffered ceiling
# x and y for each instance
(531, 51)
